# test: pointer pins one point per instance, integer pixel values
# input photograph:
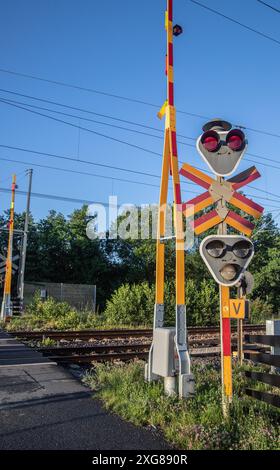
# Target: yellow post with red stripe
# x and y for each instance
(225, 330)
(226, 361)
(6, 309)
(170, 127)
(170, 165)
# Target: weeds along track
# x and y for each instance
(86, 347)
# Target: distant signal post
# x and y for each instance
(6, 310)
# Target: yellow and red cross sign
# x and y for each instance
(225, 190)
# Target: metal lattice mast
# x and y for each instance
(24, 242)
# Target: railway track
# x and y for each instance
(120, 333)
(124, 352)
(122, 345)
(108, 353)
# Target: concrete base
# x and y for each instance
(186, 385)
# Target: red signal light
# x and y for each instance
(177, 30)
(211, 141)
(235, 139)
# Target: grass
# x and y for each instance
(188, 424)
(53, 315)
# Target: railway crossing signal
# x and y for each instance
(221, 147)
(3, 263)
(227, 257)
(226, 192)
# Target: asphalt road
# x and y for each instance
(43, 407)
(70, 422)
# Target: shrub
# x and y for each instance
(260, 311)
(50, 314)
(134, 304)
(48, 309)
(131, 304)
(202, 303)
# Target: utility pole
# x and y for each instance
(24, 242)
(6, 310)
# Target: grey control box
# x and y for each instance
(163, 353)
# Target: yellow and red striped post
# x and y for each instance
(6, 309)
(226, 361)
(170, 166)
(170, 163)
(171, 129)
(225, 332)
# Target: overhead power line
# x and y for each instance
(76, 160)
(270, 38)
(8, 102)
(264, 191)
(79, 117)
(91, 90)
(75, 108)
(109, 166)
(67, 170)
(57, 197)
(62, 121)
(87, 162)
(127, 129)
(54, 197)
(120, 97)
(151, 135)
(269, 6)
(138, 147)
(55, 103)
(84, 173)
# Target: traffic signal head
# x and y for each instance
(227, 257)
(221, 147)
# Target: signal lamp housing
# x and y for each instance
(235, 140)
(216, 248)
(177, 30)
(227, 257)
(221, 147)
(242, 249)
(229, 271)
(210, 141)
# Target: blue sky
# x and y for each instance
(119, 48)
